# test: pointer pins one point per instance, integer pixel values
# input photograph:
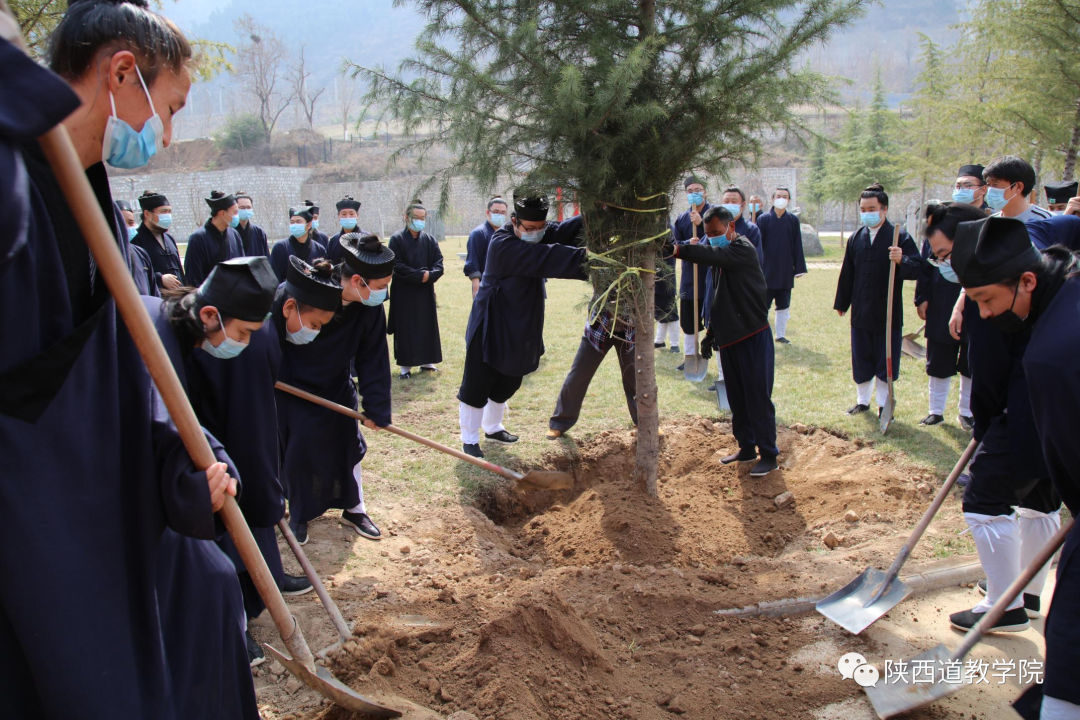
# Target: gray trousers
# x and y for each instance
(587, 360)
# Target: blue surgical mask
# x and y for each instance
(734, 208)
(124, 148)
(315, 224)
(302, 336)
(995, 198)
(498, 219)
(348, 224)
(234, 221)
(297, 230)
(964, 196)
(228, 348)
(755, 207)
(720, 241)
(695, 198)
(417, 225)
(246, 215)
(164, 221)
(132, 232)
(947, 272)
(533, 236)
(376, 298)
(870, 219)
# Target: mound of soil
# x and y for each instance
(600, 601)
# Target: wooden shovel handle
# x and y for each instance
(889, 311)
(309, 570)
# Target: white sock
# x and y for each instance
(1036, 529)
(359, 477)
(689, 344)
(997, 539)
(1057, 709)
(882, 393)
(781, 322)
(493, 417)
(862, 392)
(964, 406)
(673, 333)
(939, 394)
(402, 369)
(661, 330)
(469, 418)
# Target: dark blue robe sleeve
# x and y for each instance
(403, 272)
(475, 253)
(545, 260)
(911, 265)
(196, 260)
(846, 284)
(924, 283)
(797, 254)
(372, 365)
(435, 270)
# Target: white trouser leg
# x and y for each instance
(402, 369)
(964, 406)
(493, 417)
(661, 330)
(862, 392)
(781, 322)
(358, 476)
(430, 366)
(882, 391)
(939, 394)
(689, 344)
(469, 418)
(997, 539)
(1036, 528)
(1056, 709)
(673, 333)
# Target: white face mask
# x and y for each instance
(780, 203)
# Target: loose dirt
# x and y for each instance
(599, 602)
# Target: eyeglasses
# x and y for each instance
(968, 186)
(942, 261)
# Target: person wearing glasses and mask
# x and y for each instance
(153, 237)
(969, 188)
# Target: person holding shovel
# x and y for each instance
(687, 230)
(1022, 291)
(874, 252)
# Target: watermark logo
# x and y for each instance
(1024, 671)
(853, 666)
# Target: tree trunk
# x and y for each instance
(1074, 144)
(843, 219)
(648, 439)
(1036, 164)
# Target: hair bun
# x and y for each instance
(144, 4)
(216, 194)
(323, 269)
(371, 243)
(875, 187)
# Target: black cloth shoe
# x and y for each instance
(295, 585)
(472, 449)
(363, 524)
(857, 408)
(1032, 603)
(742, 456)
(427, 369)
(681, 367)
(783, 341)
(404, 375)
(967, 422)
(300, 531)
(674, 349)
(932, 419)
(255, 653)
(1015, 620)
(764, 466)
(502, 437)
(658, 345)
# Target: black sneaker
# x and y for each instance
(741, 456)
(300, 531)
(502, 436)
(472, 449)
(1032, 603)
(363, 525)
(783, 341)
(967, 422)
(932, 419)
(255, 653)
(764, 466)
(1015, 620)
(295, 585)
(857, 408)
(658, 345)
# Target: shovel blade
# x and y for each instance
(885, 421)
(722, 403)
(863, 601)
(695, 367)
(321, 681)
(911, 348)
(546, 480)
(893, 698)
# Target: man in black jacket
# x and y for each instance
(739, 329)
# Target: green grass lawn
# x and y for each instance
(813, 386)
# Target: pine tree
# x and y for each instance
(930, 133)
(613, 101)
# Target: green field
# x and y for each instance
(813, 386)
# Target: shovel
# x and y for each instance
(891, 699)
(911, 347)
(722, 403)
(532, 480)
(864, 600)
(890, 403)
(695, 367)
(313, 577)
(114, 269)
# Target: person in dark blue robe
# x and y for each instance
(94, 469)
(348, 210)
(505, 336)
(740, 332)
(153, 237)
(215, 242)
(142, 270)
(782, 250)
(1010, 503)
(1019, 291)
(300, 243)
(252, 237)
(1058, 230)
(936, 292)
(863, 287)
(316, 234)
(477, 244)
(200, 601)
(321, 449)
(414, 316)
(687, 229)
